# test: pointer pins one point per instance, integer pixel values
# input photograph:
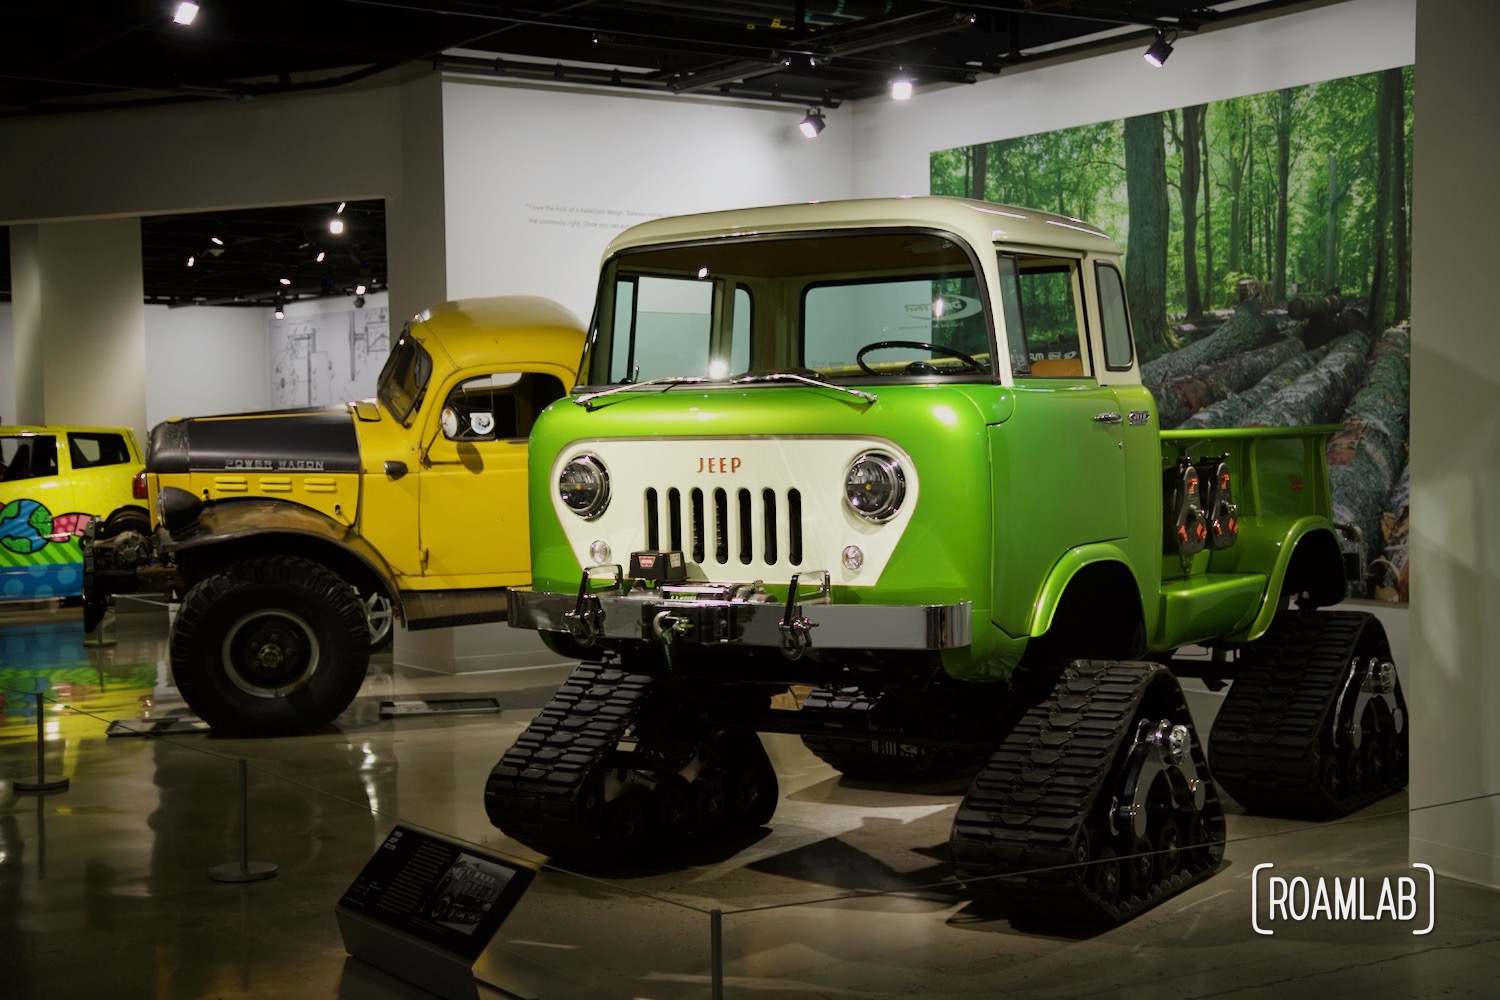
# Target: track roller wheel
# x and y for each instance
(624, 825)
(671, 813)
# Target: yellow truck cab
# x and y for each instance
(54, 483)
(294, 538)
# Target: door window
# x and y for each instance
(27, 456)
(1043, 315)
(88, 451)
(497, 407)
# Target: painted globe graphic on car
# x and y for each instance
(25, 526)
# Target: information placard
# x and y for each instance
(423, 906)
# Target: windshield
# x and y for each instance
(403, 380)
(864, 306)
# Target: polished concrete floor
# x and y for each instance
(105, 888)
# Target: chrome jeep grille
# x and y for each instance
(724, 526)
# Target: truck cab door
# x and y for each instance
(472, 507)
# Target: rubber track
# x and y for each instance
(1274, 727)
(534, 793)
(1024, 811)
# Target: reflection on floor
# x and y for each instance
(104, 888)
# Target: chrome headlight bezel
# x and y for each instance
(875, 486)
(572, 487)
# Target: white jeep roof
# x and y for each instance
(980, 223)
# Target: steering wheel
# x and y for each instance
(917, 367)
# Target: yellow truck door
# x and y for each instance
(472, 506)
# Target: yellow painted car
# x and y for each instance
(54, 483)
(295, 538)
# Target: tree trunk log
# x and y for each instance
(1180, 398)
(1242, 331)
(1365, 458)
(1232, 411)
(1319, 396)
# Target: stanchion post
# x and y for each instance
(245, 870)
(716, 953)
(41, 786)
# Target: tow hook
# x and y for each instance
(1160, 748)
(587, 617)
(796, 629)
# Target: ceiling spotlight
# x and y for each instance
(340, 209)
(1158, 51)
(286, 281)
(335, 226)
(185, 13)
(813, 123)
(359, 289)
(321, 255)
(191, 260)
(359, 301)
(901, 86)
(216, 241)
(280, 312)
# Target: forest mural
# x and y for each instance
(1268, 261)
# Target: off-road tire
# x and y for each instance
(312, 619)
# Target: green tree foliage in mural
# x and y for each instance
(1298, 191)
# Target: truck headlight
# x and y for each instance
(584, 486)
(875, 486)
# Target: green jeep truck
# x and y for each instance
(895, 456)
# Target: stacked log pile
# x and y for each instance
(1241, 332)
(1235, 410)
(1367, 456)
(1320, 395)
(1388, 572)
(1181, 397)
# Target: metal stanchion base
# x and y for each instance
(250, 871)
(104, 634)
(40, 787)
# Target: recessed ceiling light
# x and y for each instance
(901, 86)
(335, 226)
(216, 241)
(185, 13)
(321, 255)
(286, 281)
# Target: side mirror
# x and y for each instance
(395, 470)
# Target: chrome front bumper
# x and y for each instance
(792, 627)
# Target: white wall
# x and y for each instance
(7, 362)
(538, 181)
(1455, 446)
(892, 140)
(205, 359)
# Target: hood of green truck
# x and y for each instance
(742, 444)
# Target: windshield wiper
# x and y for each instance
(665, 382)
(868, 397)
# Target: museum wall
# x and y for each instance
(893, 141)
(539, 180)
(1455, 442)
(7, 386)
(205, 359)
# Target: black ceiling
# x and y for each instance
(74, 57)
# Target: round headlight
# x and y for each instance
(584, 486)
(875, 486)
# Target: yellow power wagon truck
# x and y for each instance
(294, 538)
